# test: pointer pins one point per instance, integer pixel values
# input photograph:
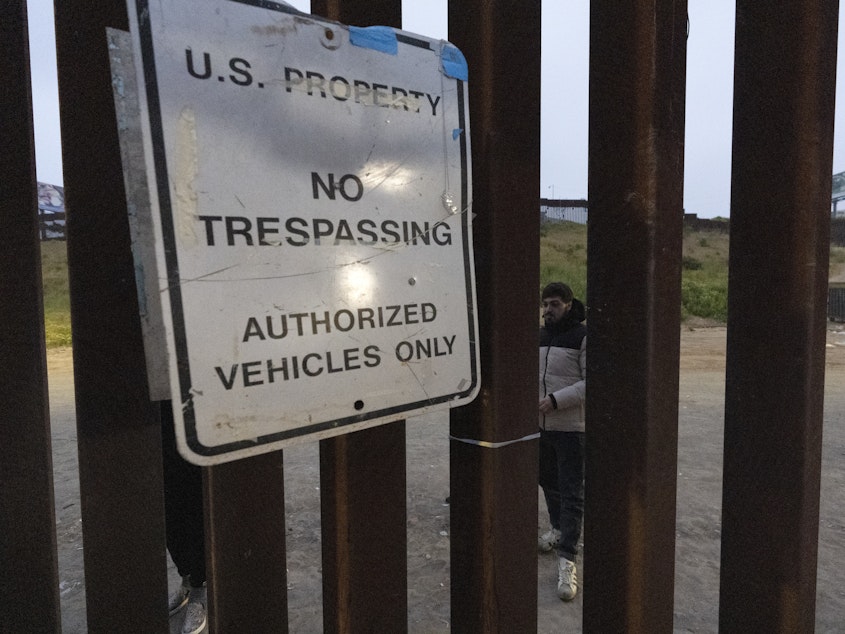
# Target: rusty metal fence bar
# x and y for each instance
(363, 475)
(636, 167)
(784, 82)
(494, 490)
(245, 545)
(119, 430)
(29, 583)
(363, 513)
(119, 438)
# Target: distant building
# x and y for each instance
(837, 195)
(51, 211)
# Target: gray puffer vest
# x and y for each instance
(563, 371)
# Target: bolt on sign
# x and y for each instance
(310, 200)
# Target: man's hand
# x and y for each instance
(546, 405)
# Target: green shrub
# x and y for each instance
(707, 299)
(691, 264)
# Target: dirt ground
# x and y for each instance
(698, 515)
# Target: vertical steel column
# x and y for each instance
(360, 12)
(780, 221)
(29, 584)
(245, 545)
(118, 428)
(636, 167)
(363, 509)
(494, 491)
(363, 502)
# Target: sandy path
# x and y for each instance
(699, 507)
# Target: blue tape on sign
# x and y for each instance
(456, 133)
(378, 38)
(454, 62)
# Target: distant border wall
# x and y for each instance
(563, 210)
(695, 223)
(576, 211)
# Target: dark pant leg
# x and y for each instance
(549, 477)
(183, 505)
(570, 453)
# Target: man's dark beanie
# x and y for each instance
(557, 289)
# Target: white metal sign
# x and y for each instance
(310, 188)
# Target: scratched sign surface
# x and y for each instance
(311, 200)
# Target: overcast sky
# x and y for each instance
(563, 153)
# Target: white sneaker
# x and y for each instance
(195, 618)
(549, 540)
(179, 598)
(567, 583)
(195, 614)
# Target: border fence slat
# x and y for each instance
(245, 527)
(119, 436)
(493, 546)
(363, 512)
(363, 475)
(780, 222)
(636, 143)
(29, 583)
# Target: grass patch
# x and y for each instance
(56, 294)
(704, 278)
(563, 257)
